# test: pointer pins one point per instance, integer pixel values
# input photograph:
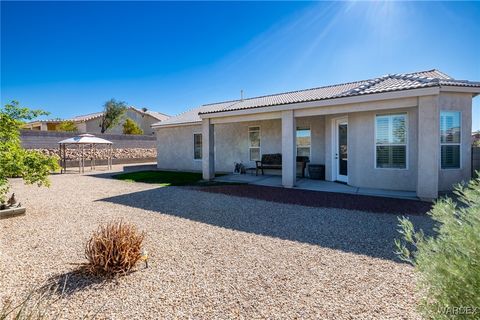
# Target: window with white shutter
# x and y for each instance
(391, 141)
(254, 143)
(303, 141)
(197, 146)
(450, 132)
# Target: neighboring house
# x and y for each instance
(92, 122)
(476, 139)
(407, 132)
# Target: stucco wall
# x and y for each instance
(231, 144)
(463, 103)
(94, 126)
(361, 153)
(175, 148)
(317, 129)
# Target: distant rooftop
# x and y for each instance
(86, 117)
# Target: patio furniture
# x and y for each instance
(274, 161)
(316, 171)
(303, 160)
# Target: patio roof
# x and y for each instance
(386, 83)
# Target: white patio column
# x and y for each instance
(428, 147)
(208, 155)
(289, 159)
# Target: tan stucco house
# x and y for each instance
(91, 123)
(408, 132)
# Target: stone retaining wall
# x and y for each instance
(33, 139)
(102, 153)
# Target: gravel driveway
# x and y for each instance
(212, 255)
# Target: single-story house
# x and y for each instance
(476, 138)
(91, 123)
(408, 132)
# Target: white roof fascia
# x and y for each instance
(460, 89)
(159, 125)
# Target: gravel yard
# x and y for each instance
(211, 255)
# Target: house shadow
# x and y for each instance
(359, 232)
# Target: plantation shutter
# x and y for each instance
(391, 141)
(450, 130)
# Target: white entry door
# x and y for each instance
(341, 149)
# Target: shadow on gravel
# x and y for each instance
(73, 281)
(360, 232)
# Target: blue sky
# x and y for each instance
(70, 57)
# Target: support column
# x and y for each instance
(208, 154)
(428, 147)
(289, 157)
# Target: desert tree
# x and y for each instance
(113, 112)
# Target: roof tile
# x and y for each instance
(386, 83)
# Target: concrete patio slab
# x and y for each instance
(325, 186)
(315, 185)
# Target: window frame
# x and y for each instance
(460, 167)
(201, 147)
(309, 146)
(250, 145)
(406, 144)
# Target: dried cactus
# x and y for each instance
(114, 248)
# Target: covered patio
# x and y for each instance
(343, 139)
(315, 185)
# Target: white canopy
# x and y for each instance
(85, 139)
(82, 141)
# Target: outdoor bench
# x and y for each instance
(274, 161)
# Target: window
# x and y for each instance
(450, 130)
(254, 143)
(197, 146)
(303, 141)
(391, 141)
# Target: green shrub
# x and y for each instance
(68, 126)
(15, 161)
(131, 127)
(448, 263)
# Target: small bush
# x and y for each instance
(448, 263)
(131, 127)
(114, 248)
(67, 126)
